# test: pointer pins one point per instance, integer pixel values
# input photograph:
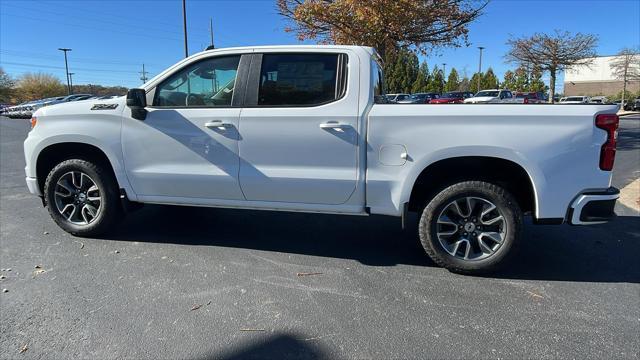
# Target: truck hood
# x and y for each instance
(83, 107)
(479, 99)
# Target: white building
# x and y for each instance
(595, 79)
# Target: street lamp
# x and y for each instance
(71, 81)
(184, 25)
(480, 67)
(444, 76)
(66, 66)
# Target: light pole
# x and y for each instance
(444, 76)
(66, 66)
(480, 67)
(184, 25)
(71, 81)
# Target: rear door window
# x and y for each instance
(301, 79)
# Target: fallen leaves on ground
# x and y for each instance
(196, 307)
(38, 272)
(534, 295)
(308, 273)
(24, 348)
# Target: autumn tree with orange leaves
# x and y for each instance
(387, 25)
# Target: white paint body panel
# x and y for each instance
(280, 158)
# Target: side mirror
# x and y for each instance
(137, 101)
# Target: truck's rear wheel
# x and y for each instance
(471, 227)
(82, 197)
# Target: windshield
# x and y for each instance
(574, 98)
(419, 96)
(487, 93)
(452, 95)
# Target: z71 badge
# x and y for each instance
(104, 106)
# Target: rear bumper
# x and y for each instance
(594, 207)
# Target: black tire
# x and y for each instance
(505, 205)
(109, 205)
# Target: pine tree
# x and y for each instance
(509, 80)
(436, 82)
(489, 80)
(411, 71)
(535, 82)
(522, 79)
(474, 82)
(452, 81)
(421, 83)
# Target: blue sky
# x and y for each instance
(111, 39)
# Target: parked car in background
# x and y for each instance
(470, 179)
(487, 96)
(452, 97)
(599, 100)
(574, 100)
(397, 97)
(419, 98)
(530, 97)
(636, 104)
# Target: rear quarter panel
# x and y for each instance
(558, 146)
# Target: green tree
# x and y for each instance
(489, 80)
(422, 80)
(474, 82)
(411, 70)
(6, 87)
(535, 80)
(436, 81)
(452, 81)
(521, 79)
(509, 81)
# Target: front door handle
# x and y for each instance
(218, 124)
(334, 125)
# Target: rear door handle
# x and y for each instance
(217, 124)
(334, 125)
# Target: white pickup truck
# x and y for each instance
(306, 128)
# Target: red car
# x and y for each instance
(530, 97)
(453, 97)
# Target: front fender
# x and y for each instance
(102, 133)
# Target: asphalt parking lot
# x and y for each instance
(199, 283)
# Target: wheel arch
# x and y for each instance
(507, 171)
(52, 154)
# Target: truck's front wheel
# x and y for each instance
(82, 197)
(471, 227)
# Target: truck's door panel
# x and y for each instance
(187, 146)
(299, 129)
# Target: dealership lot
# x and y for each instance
(211, 283)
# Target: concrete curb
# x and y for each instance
(630, 196)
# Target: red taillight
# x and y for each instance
(608, 123)
(526, 100)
